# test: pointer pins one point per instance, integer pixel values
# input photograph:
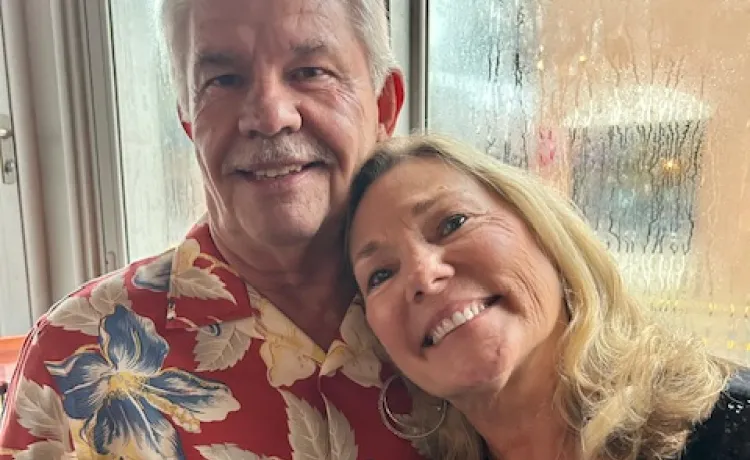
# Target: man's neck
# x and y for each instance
(308, 284)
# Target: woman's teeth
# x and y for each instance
(450, 324)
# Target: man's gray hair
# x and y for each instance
(368, 17)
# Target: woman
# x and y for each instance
(495, 299)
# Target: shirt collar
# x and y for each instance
(203, 288)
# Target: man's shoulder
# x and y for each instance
(142, 287)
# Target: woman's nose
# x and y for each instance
(428, 275)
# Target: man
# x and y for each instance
(241, 342)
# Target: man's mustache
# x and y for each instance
(282, 150)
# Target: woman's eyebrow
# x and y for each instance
(367, 251)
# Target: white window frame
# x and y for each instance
(408, 27)
(113, 246)
(27, 157)
(96, 31)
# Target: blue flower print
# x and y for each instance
(123, 396)
(155, 276)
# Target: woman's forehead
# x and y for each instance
(414, 179)
(410, 189)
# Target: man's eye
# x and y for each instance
(377, 278)
(307, 73)
(451, 224)
(225, 81)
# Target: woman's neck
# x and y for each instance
(519, 419)
(544, 439)
(531, 430)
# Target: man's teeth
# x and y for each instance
(458, 318)
(273, 173)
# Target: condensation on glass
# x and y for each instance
(161, 179)
(640, 112)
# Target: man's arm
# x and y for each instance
(34, 424)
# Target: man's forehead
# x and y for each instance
(263, 11)
(237, 24)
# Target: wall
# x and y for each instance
(49, 131)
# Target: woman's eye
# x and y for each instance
(377, 278)
(451, 224)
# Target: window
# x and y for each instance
(479, 80)
(636, 185)
(639, 112)
(161, 183)
(15, 308)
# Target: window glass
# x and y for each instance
(640, 112)
(161, 180)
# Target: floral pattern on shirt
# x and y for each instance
(176, 357)
(122, 394)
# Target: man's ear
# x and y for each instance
(186, 125)
(390, 103)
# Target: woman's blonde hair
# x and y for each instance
(629, 387)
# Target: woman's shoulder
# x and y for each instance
(726, 433)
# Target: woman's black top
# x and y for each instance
(726, 434)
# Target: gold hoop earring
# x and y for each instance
(396, 426)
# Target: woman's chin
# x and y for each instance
(468, 378)
(476, 359)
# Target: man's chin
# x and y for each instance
(277, 228)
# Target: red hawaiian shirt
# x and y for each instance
(176, 357)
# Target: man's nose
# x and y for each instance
(270, 108)
(429, 274)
